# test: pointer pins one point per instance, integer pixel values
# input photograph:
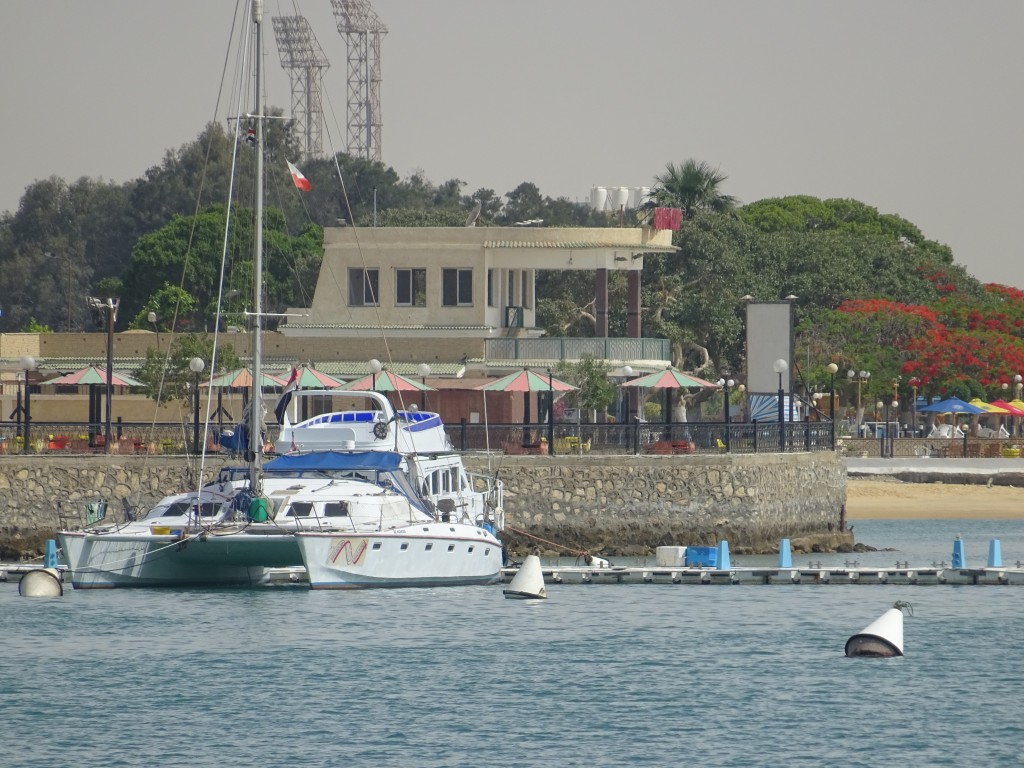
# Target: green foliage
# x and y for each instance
(33, 326)
(166, 375)
(595, 390)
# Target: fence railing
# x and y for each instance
(637, 438)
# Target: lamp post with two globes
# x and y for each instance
(725, 384)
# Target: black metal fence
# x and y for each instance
(643, 437)
(636, 438)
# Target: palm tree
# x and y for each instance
(692, 186)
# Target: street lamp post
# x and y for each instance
(375, 368)
(551, 414)
(423, 370)
(108, 308)
(860, 378)
(895, 432)
(28, 363)
(780, 366)
(1017, 386)
(914, 383)
(195, 365)
(832, 369)
(725, 384)
(156, 328)
(885, 424)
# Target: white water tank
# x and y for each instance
(619, 197)
(598, 198)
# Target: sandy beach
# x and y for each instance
(894, 500)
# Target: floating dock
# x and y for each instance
(761, 575)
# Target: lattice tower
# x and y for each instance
(362, 31)
(304, 59)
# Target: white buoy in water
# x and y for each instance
(882, 638)
(44, 582)
(528, 583)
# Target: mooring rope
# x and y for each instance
(581, 552)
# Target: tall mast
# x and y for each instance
(256, 420)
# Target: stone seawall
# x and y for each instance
(609, 504)
(631, 504)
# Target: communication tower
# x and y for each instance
(303, 58)
(362, 31)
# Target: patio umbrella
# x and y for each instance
(386, 381)
(526, 381)
(1009, 408)
(668, 380)
(1016, 409)
(988, 408)
(242, 379)
(93, 375)
(951, 405)
(311, 378)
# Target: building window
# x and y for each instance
(457, 287)
(363, 287)
(490, 288)
(411, 287)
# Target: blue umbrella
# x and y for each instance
(951, 405)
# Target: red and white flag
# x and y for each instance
(300, 181)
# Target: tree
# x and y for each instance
(693, 186)
(166, 375)
(594, 390)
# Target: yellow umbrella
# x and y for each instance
(989, 407)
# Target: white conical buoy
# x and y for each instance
(883, 637)
(528, 583)
(44, 582)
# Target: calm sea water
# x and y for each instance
(600, 675)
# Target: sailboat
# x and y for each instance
(368, 519)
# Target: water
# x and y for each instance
(625, 675)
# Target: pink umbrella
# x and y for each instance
(386, 381)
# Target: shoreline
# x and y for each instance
(885, 498)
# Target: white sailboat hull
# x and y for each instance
(105, 561)
(428, 555)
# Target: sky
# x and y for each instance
(911, 106)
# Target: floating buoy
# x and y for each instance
(43, 582)
(882, 638)
(528, 583)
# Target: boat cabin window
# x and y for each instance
(336, 509)
(300, 509)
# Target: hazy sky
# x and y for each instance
(913, 107)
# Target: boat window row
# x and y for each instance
(187, 509)
(327, 509)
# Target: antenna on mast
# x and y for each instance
(362, 31)
(304, 59)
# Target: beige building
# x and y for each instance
(460, 299)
